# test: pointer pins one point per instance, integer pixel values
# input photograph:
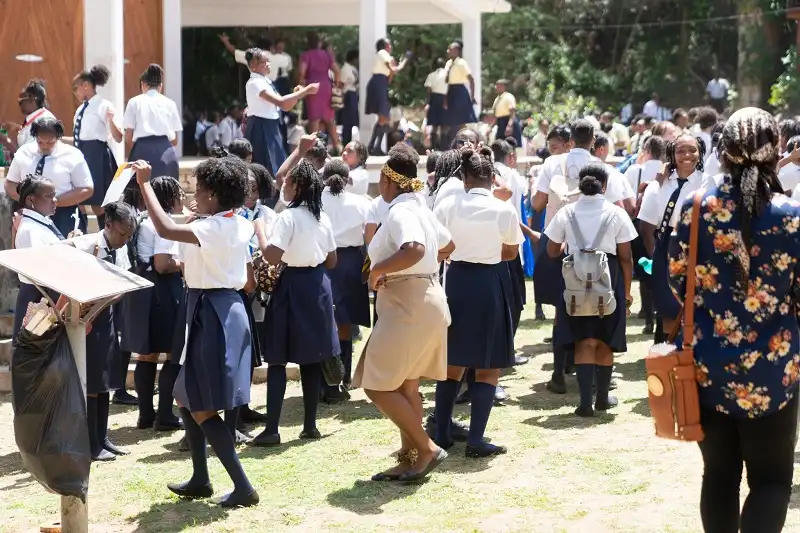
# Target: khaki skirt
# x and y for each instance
(410, 339)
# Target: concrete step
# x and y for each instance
(5, 352)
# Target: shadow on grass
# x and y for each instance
(570, 421)
(533, 324)
(532, 350)
(632, 371)
(369, 497)
(11, 464)
(20, 483)
(176, 516)
(641, 407)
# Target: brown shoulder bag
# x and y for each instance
(671, 372)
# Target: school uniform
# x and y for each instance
(503, 105)
(360, 178)
(151, 313)
(789, 176)
(34, 230)
(154, 120)
(478, 283)
(24, 136)
(229, 131)
(65, 167)
(263, 123)
(589, 214)
(637, 174)
(378, 85)
(459, 100)
(91, 133)
(661, 206)
(215, 375)
(302, 324)
(348, 214)
(437, 83)
(617, 188)
(452, 187)
(349, 118)
(519, 188)
(280, 65)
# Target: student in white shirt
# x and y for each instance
(448, 179)
(33, 104)
(215, 375)
(93, 128)
(150, 315)
(658, 215)
(211, 137)
(37, 196)
(229, 127)
(789, 175)
(349, 79)
(409, 340)
(152, 124)
(348, 213)
(102, 345)
(300, 315)
(281, 67)
(355, 155)
(596, 338)
(486, 233)
(436, 87)
(618, 191)
(648, 164)
(60, 163)
(717, 91)
(707, 118)
(384, 68)
(653, 108)
(264, 104)
(446, 170)
(460, 101)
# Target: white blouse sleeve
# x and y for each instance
(129, 118)
(557, 229)
(648, 212)
(626, 232)
(80, 175)
(282, 231)
(509, 227)
(405, 227)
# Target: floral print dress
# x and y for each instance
(746, 337)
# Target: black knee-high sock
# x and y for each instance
(276, 390)
(647, 302)
(311, 380)
(197, 444)
(482, 401)
(95, 445)
(603, 383)
(585, 375)
(376, 131)
(223, 445)
(144, 380)
(446, 392)
(166, 385)
(103, 404)
(231, 418)
(347, 359)
(559, 361)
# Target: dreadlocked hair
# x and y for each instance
(133, 196)
(35, 89)
(672, 160)
(477, 164)
(226, 179)
(335, 176)
(168, 192)
(448, 165)
(30, 187)
(264, 180)
(308, 187)
(749, 155)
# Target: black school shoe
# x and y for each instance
(557, 385)
(250, 416)
(192, 491)
(170, 424)
(484, 449)
(122, 397)
(459, 431)
(267, 440)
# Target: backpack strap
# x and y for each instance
(604, 224)
(573, 222)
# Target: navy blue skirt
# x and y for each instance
(378, 96)
(436, 111)
(255, 342)
(102, 166)
(159, 152)
(103, 357)
(28, 293)
(481, 333)
(609, 329)
(265, 136)
(300, 315)
(179, 333)
(664, 301)
(516, 129)
(350, 293)
(64, 221)
(547, 269)
(459, 106)
(216, 373)
(149, 316)
(350, 110)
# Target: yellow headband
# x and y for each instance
(404, 182)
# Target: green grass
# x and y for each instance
(562, 474)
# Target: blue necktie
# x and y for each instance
(76, 131)
(40, 166)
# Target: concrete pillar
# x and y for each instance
(471, 36)
(173, 76)
(104, 44)
(372, 27)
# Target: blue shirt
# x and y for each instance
(746, 338)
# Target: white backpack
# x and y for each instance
(589, 290)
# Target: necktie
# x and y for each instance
(76, 132)
(40, 166)
(111, 256)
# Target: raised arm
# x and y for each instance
(165, 226)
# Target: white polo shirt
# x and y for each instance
(645, 173)
(257, 106)
(437, 81)
(568, 165)
(348, 214)
(380, 65)
(152, 115)
(150, 243)
(656, 198)
(65, 167)
(305, 241)
(94, 124)
(349, 78)
(589, 212)
(360, 178)
(718, 88)
(220, 261)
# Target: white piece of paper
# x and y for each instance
(121, 178)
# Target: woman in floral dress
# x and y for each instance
(747, 342)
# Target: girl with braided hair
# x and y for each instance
(746, 332)
(32, 104)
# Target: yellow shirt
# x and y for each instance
(503, 104)
(458, 71)
(381, 63)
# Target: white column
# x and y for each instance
(471, 35)
(372, 27)
(104, 44)
(173, 76)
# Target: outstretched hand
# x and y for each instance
(142, 170)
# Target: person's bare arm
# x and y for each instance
(471, 81)
(287, 102)
(509, 252)
(11, 189)
(330, 260)
(445, 252)
(165, 264)
(648, 233)
(165, 226)
(337, 74)
(128, 142)
(306, 142)
(540, 200)
(555, 249)
(75, 196)
(625, 257)
(116, 132)
(301, 73)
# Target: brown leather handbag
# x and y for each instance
(671, 372)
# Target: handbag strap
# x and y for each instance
(691, 277)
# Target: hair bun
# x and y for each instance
(466, 154)
(485, 151)
(99, 74)
(154, 69)
(248, 55)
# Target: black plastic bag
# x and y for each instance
(50, 412)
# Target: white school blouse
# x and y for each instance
(568, 165)
(94, 124)
(33, 232)
(348, 214)
(516, 184)
(257, 106)
(305, 241)
(656, 198)
(96, 244)
(589, 211)
(649, 171)
(360, 179)
(65, 167)
(617, 187)
(789, 176)
(220, 260)
(349, 78)
(437, 81)
(452, 187)
(479, 225)
(380, 65)
(152, 115)
(150, 243)
(24, 136)
(229, 131)
(408, 220)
